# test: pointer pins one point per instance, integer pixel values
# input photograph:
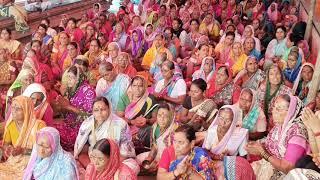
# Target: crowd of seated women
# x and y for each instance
(171, 90)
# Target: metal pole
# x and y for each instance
(310, 18)
(315, 82)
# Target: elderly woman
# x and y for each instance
(42, 108)
(206, 70)
(161, 138)
(102, 124)
(113, 52)
(197, 109)
(249, 32)
(24, 79)
(138, 107)
(19, 137)
(303, 82)
(48, 160)
(172, 88)
(106, 162)
(269, 90)
(251, 76)
(249, 48)
(251, 115)
(293, 65)
(223, 136)
(183, 160)
(285, 144)
(221, 88)
(120, 36)
(111, 85)
(75, 104)
(124, 66)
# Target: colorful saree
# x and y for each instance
(299, 86)
(25, 138)
(114, 170)
(201, 73)
(288, 141)
(44, 110)
(113, 128)
(254, 120)
(152, 53)
(228, 93)
(82, 98)
(200, 162)
(59, 165)
(113, 92)
(233, 141)
(252, 82)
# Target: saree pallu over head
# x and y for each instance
(201, 74)
(231, 141)
(297, 86)
(163, 139)
(113, 170)
(277, 140)
(59, 165)
(113, 128)
(116, 90)
(255, 113)
(42, 107)
(291, 74)
(30, 125)
(136, 46)
(200, 162)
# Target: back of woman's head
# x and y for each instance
(188, 131)
(74, 70)
(103, 146)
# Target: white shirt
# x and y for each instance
(179, 89)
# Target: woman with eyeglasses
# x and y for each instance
(124, 65)
(285, 144)
(172, 88)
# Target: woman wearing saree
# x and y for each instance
(19, 137)
(94, 54)
(48, 160)
(76, 103)
(120, 36)
(197, 111)
(251, 115)
(24, 79)
(111, 85)
(249, 32)
(103, 124)
(172, 88)
(211, 25)
(302, 84)
(59, 53)
(137, 47)
(293, 66)
(113, 52)
(285, 144)
(8, 74)
(223, 49)
(183, 160)
(237, 58)
(251, 76)
(206, 70)
(42, 108)
(73, 52)
(268, 91)
(124, 66)
(90, 34)
(156, 49)
(221, 88)
(276, 47)
(73, 31)
(13, 46)
(160, 138)
(149, 34)
(106, 163)
(138, 107)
